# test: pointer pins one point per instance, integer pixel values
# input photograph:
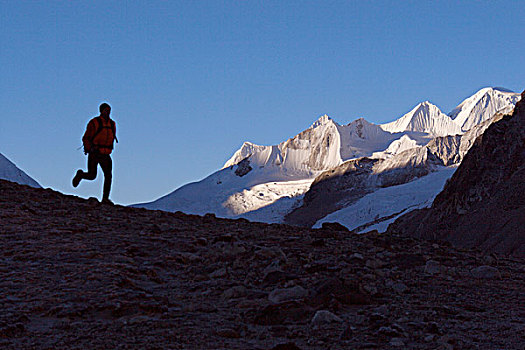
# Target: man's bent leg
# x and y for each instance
(91, 174)
(107, 167)
(93, 160)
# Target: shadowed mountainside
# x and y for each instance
(483, 204)
(77, 274)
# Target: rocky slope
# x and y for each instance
(483, 205)
(76, 274)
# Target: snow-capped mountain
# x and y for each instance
(9, 171)
(482, 106)
(427, 118)
(257, 176)
(322, 146)
(267, 183)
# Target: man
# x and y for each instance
(98, 144)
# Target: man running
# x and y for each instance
(98, 144)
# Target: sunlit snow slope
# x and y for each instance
(377, 210)
(482, 106)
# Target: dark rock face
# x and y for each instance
(243, 167)
(483, 204)
(352, 180)
(75, 274)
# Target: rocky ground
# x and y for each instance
(77, 274)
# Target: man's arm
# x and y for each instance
(88, 135)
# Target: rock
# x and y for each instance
(325, 316)
(432, 267)
(234, 292)
(228, 333)
(485, 272)
(243, 167)
(270, 253)
(347, 333)
(430, 338)
(345, 292)
(186, 258)
(286, 294)
(274, 277)
(433, 328)
(356, 256)
(274, 274)
(399, 287)
(219, 273)
(388, 331)
(290, 311)
(397, 342)
(201, 241)
(334, 226)
(286, 346)
(375, 263)
(370, 288)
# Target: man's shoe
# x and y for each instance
(77, 178)
(107, 201)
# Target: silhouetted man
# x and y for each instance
(98, 145)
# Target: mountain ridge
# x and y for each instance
(277, 177)
(482, 205)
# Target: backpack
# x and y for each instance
(100, 127)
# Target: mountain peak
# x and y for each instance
(425, 117)
(324, 119)
(483, 105)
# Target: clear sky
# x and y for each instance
(190, 81)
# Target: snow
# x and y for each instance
(361, 138)
(482, 106)
(229, 195)
(396, 147)
(390, 201)
(270, 202)
(425, 117)
(9, 171)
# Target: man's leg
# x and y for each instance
(91, 174)
(107, 167)
(93, 160)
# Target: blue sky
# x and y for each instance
(189, 81)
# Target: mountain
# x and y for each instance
(482, 206)
(9, 171)
(414, 184)
(257, 176)
(427, 118)
(325, 144)
(271, 183)
(482, 106)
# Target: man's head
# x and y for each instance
(104, 109)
